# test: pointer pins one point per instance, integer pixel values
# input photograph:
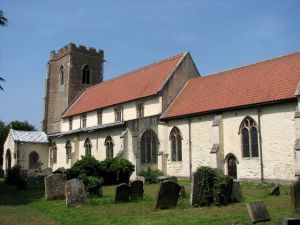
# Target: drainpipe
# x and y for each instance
(260, 146)
(190, 149)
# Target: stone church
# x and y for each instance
(244, 122)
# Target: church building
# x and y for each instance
(244, 121)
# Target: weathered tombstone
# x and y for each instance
(295, 196)
(60, 170)
(122, 193)
(291, 221)
(168, 195)
(36, 181)
(182, 192)
(172, 178)
(162, 178)
(140, 178)
(55, 186)
(136, 189)
(195, 190)
(276, 191)
(236, 194)
(75, 193)
(258, 212)
(46, 172)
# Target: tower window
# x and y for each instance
(61, 74)
(86, 75)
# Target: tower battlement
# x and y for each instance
(72, 48)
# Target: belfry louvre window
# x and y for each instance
(176, 144)
(109, 144)
(68, 150)
(248, 130)
(149, 145)
(86, 75)
(83, 121)
(88, 147)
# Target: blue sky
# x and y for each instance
(219, 35)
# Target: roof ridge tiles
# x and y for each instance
(136, 70)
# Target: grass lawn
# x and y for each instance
(30, 207)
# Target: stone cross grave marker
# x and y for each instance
(168, 195)
(258, 212)
(136, 189)
(122, 193)
(75, 193)
(55, 186)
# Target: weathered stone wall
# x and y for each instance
(58, 96)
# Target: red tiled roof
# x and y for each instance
(268, 81)
(137, 84)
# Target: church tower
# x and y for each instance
(70, 71)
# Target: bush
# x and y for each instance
(150, 175)
(116, 170)
(222, 190)
(15, 177)
(92, 185)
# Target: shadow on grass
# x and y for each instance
(11, 195)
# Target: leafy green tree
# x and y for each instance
(3, 22)
(4, 130)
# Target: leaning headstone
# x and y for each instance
(75, 193)
(168, 195)
(136, 189)
(276, 191)
(295, 196)
(258, 212)
(182, 192)
(55, 186)
(140, 178)
(291, 221)
(122, 193)
(236, 194)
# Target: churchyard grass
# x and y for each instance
(30, 207)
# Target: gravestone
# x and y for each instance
(60, 170)
(195, 191)
(36, 181)
(168, 195)
(295, 196)
(136, 189)
(291, 221)
(46, 172)
(140, 178)
(55, 186)
(258, 212)
(162, 178)
(182, 192)
(75, 193)
(172, 178)
(122, 193)
(236, 193)
(276, 191)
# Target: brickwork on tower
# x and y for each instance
(64, 80)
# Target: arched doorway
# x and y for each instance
(232, 166)
(33, 160)
(8, 160)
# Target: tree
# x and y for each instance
(3, 22)
(4, 130)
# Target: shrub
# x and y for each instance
(222, 190)
(150, 175)
(206, 178)
(15, 177)
(116, 170)
(92, 185)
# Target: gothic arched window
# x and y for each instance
(248, 129)
(86, 75)
(176, 144)
(68, 150)
(88, 147)
(33, 160)
(149, 143)
(109, 144)
(61, 75)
